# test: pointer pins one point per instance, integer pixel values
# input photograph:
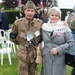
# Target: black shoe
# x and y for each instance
(73, 71)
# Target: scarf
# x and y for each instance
(58, 26)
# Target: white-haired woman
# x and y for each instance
(57, 39)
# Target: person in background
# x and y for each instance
(71, 24)
(37, 14)
(5, 24)
(20, 15)
(0, 20)
(26, 33)
(44, 15)
(46, 11)
(67, 14)
(16, 17)
(57, 38)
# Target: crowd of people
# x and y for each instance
(30, 31)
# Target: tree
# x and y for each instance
(10, 3)
(55, 3)
(14, 3)
(36, 2)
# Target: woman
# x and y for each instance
(57, 39)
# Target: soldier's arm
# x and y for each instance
(14, 33)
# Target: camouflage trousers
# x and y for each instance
(27, 68)
(27, 65)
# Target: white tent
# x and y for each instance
(1, 1)
(66, 4)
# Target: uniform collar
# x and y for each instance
(28, 21)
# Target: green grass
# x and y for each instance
(68, 70)
(7, 69)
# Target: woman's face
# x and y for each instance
(29, 13)
(54, 17)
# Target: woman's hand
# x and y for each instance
(65, 23)
(53, 51)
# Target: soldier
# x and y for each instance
(26, 33)
(71, 23)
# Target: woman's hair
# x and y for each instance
(56, 12)
(55, 9)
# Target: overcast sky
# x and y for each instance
(1, 1)
(66, 4)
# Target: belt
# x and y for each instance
(25, 48)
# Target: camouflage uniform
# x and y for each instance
(26, 55)
(71, 23)
(71, 20)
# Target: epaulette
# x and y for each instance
(37, 19)
(21, 19)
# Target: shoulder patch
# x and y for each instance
(38, 20)
(21, 19)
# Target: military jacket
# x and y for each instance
(21, 26)
(71, 20)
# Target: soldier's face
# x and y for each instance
(29, 13)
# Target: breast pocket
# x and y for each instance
(21, 39)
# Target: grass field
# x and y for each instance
(7, 69)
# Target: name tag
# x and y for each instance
(37, 33)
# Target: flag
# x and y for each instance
(41, 4)
(19, 3)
